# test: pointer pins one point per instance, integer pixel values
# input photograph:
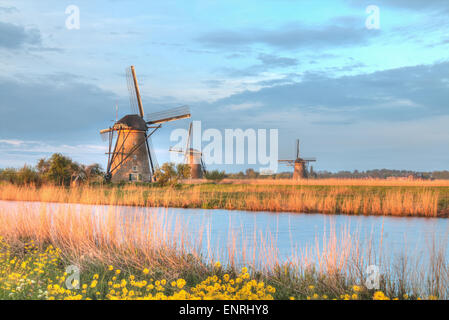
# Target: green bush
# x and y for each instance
(168, 174)
(215, 175)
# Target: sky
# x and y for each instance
(357, 97)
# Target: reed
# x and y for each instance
(334, 263)
(419, 201)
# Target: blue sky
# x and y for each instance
(357, 98)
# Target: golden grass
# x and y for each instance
(393, 182)
(340, 199)
(134, 240)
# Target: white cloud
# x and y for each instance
(244, 106)
(11, 142)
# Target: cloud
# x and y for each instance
(405, 4)
(30, 146)
(340, 32)
(271, 60)
(13, 36)
(267, 62)
(16, 153)
(396, 95)
(8, 10)
(11, 142)
(243, 106)
(59, 107)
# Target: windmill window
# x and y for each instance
(135, 157)
(133, 177)
(135, 168)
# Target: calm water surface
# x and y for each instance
(286, 233)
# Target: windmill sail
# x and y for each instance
(168, 115)
(131, 91)
(186, 151)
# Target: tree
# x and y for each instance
(215, 175)
(183, 171)
(168, 174)
(28, 175)
(9, 175)
(59, 169)
(251, 174)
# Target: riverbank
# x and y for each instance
(39, 272)
(356, 198)
(146, 256)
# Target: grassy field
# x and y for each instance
(357, 197)
(141, 259)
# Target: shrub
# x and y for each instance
(168, 174)
(215, 175)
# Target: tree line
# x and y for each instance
(58, 170)
(61, 170)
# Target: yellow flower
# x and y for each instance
(146, 271)
(110, 268)
(95, 277)
(117, 271)
(356, 288)
(217, 264)
(93, 284)
(180, 283)
(379, 295)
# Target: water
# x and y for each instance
(259, 235)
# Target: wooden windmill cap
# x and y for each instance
(131, 121)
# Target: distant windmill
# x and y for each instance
(193, 158)
(299, 164)
(130, 154)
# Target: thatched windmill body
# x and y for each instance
(299, 164)
(192, 157)
(130, 154)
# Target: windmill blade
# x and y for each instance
(137, 91)
(176, 150)
(153, 154)
(168, 115)
(188, 144)
(203, 166)
(106, 133)
(131, 91)
(297, 148)
(309, 159)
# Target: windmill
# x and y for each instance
(193, 158)
(130, 155)
(299, 164)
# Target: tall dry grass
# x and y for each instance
(392, 201)
(128, 239)
(372, 182)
